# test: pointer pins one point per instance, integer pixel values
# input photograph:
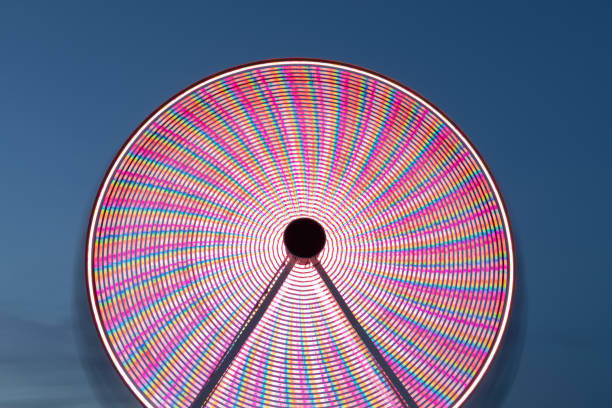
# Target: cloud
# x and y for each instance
(42, 365)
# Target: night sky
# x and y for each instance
(528, 83)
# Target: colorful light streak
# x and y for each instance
(187, 233)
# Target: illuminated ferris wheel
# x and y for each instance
(300, 233)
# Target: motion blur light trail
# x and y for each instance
(187, 233)
(304, 352)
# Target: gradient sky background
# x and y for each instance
(528, 83)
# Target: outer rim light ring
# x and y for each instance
(313, 62)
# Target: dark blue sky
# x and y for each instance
(528, 83)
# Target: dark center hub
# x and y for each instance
(304, 238)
